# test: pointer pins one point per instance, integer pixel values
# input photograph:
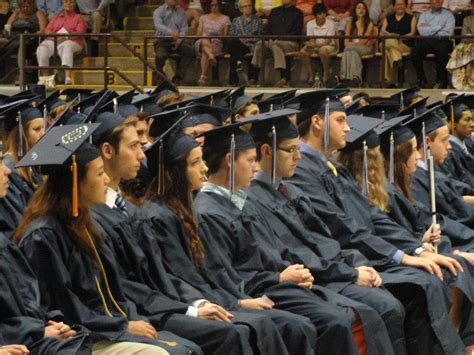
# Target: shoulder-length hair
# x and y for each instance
(354, 16)
(402, 180)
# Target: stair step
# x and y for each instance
(132, 36)
(116, 62)
(138, 23)
(145, 10)
(117, 50)
(91, 77)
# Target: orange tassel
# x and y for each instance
(358, 334)
(452, 117)
(75, 204)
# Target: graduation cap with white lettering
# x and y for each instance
(227, 139)
(18, 116)
(63, 151)
(72, 93)
(276, 126)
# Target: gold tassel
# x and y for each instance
(75, 205)
(452, 117)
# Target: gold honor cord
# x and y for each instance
(332, 167)
(101, 294)
(102, 270)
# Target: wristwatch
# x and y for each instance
(419, 250)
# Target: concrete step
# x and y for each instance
(129, 63)
(90, 77)
(145, 10)
(138, 23)
(117, 50)
(132, 36)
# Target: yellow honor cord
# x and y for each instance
(75, 197)
(452, 117)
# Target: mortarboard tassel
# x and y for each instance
(423, 136)
(402, 106)
(161, 167)
(327, 127)
(20, 135)
(452, 117)
(115, 106)
(365, 172)
(232, 168)
(45, 117)
(75, 202)
(383, 115)
(391, 168)
(211, 101)
(274, 148)
(271, 107)
(141, 108)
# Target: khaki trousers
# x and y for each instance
(278, 49)
(119, 348)
(393, 53)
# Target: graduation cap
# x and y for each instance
(455, 107)
(38, 90)
(89, 101)
(468, 100)
(406, 97)
(392, 133)
(415, 109)
(237, 98)
(170, 145)
(362, 136)
(213, 99)
(51, 102)
(384, 111)
(270, 104)
(108, 121)
(310, 102)
(148, 104)
(64, 117)
(19, 115)
(258, 98)
(353, 106)
(63, 149)
(164, 88)
(113, 105)
(287, 94)
(227, 139)
(275, 125)
(72, 93)
(202, 114)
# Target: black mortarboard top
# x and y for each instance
(218, 98)
(362, 129)
(164, 88)
(71, 93)
(315, 104)
(237, 98)
(271, 104)
(405, 97)
(468, 100)
(353, 106)
(147, 104)
(166, 119)
(431, 123)
(457, 105)
(258, 98)
(63, 149)
(114, 103)
(288, 94)
(108, 121)
(89, 101)
(209, 99)
(3, 99)
(51, 102)
(308, 100)
(39, 90)
(385, 111)
(201, 114)
(418, 107)
(27, 112)
(65, 117)
(24, 95)
(128, 110)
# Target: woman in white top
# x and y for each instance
(324, 47)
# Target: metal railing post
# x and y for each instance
(145, 66)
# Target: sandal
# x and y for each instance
(202, 80)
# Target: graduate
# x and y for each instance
(168, 310)
(241, 263)
(356, 224)
(23, 126)
(366, 165)
(76, 270)
(22, 320)
(460, 162)
(307, 239)
(177, 243)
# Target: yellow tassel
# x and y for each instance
(75, 204)
(452, 117)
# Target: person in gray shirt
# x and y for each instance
(170, 24)
(92, 11)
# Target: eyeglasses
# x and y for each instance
(290, 150)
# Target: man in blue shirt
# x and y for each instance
(435, 22)
(171, 23)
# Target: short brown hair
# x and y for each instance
(114, 136)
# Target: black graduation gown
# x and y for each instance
(355, 226)
(162, 304)
(298, 244)
(256, 270)
(166, 252)
(459, 165)
(22, 321)
(67, 281)
(448, 201)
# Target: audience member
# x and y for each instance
(417, 7)
(249, 24)
(402, 24)
(459, 8)
(283, 20)
(462, 58)
(93, 12)
(340, 10)
(170, 24)
(68, 21)
(324, 47)
(436, 22)
(212, 24)
(265, 7)
(194, 11)
(50, 7)
(351, 63)
(379, 9)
